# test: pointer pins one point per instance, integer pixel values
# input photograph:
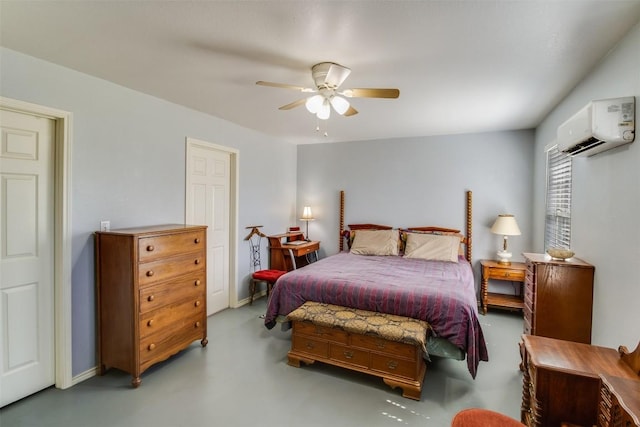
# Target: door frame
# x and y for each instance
(62, 233)
(234, 161)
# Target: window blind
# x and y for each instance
(557, 229)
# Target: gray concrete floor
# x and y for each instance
(242, 379)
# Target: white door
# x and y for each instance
(27, 255)
(208, 186)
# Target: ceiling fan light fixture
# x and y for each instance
(313, 103)
(325, 110)
(339, 104)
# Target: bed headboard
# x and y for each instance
(467, 241)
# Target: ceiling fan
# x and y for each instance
(328, 76)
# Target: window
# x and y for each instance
(557, 224)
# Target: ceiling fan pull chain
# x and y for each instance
(325, 125)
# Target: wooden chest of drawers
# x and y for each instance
(151, 294)
(561, 382)
(558, 298)
(398, 364)
(619, 402)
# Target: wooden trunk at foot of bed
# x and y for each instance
(398, 364)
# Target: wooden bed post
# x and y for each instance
(340, 239)
(469, 224)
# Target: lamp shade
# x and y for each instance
(306, 214)
(506, 225)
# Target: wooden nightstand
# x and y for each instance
(515, 272)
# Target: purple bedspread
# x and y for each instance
(442, 293)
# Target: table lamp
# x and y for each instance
(505, 225)
(307, 216)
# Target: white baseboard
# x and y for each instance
(246, 300)
(89, 373)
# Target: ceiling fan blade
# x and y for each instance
(371, 93)
(336, 75)
(294, 104)
(351, 112)
(285, 86)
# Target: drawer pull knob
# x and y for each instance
(149, 273)
(150, 248)
(392, 364)
(310, 345)
(150, 322)
(197, 303)
(507, 274)
(150, 298)
(151, 346)
(380, 344)
(348, 354)
(196, 240)
(197, 282)
(197, 324)
(197, 261)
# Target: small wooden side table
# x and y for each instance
(290, 255)
(515, 272)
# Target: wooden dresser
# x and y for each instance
(151, 295)
(561, 382)
(619, 402)
(558, 298)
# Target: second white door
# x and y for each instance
(27, 255)
(207, 203)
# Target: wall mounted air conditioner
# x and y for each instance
(601, 125)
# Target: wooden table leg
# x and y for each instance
(484, 290)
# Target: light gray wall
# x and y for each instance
(421, 181)
(128, 166)
(605, 229)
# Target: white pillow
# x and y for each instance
(433, 247)
(375, 242)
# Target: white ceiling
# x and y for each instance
(461, 66)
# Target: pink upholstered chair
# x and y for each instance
(483, 418)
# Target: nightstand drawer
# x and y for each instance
(506, 274)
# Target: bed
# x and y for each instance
(439, 292)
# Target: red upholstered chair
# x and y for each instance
(259, 275)
(267, 276)
(483, 418)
